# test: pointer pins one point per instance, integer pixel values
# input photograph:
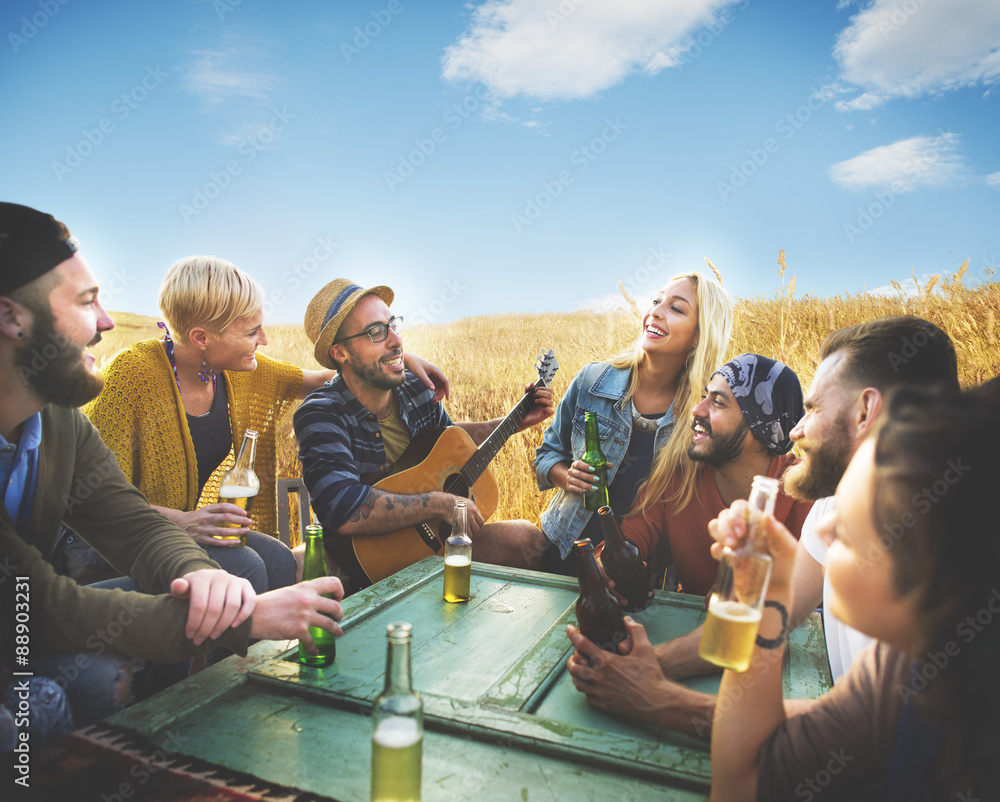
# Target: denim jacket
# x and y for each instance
(598, 388)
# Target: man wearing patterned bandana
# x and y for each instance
(740, 430)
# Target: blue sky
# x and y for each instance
(512, 155)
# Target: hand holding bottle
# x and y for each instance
(582, 478)
(730, 530)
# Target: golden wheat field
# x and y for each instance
(489, 359)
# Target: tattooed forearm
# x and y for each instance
(385, 512)
(366, 508)
(416, 500)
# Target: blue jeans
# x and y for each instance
(41, 705)
(264, 560)
(100, 684)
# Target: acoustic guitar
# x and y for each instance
(443, 459)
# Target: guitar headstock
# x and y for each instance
(547, 365)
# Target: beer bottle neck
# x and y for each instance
(460, 522)
(248, 451)
(397, 678)
(592, 434)
(314, 562)
(613, 537)
(763, 496)
(589, 572)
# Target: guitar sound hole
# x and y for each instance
(456, 485)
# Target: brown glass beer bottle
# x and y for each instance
(623, 564)
(598, 613)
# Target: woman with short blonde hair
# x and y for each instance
(174, 411)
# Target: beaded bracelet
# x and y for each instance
(774, 643)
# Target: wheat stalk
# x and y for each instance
(718, 275)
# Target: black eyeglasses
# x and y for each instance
(378, 332)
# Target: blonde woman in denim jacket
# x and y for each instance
(638, 397)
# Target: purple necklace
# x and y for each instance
(203, 374)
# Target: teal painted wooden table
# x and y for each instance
(503, 720)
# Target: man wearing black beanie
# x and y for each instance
(54, 469)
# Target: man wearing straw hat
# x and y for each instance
(361, 422)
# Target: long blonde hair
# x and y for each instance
(715, 325)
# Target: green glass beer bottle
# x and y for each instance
(623, 564)
(595, 499)
(397, 725)
(313, 568)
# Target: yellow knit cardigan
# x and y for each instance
(141, 419)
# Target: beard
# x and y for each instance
(722, 449)
(372, 372)
(819, 473)
(53, 367)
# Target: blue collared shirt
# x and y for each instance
(19, 471)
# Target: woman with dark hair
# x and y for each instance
(913, 549)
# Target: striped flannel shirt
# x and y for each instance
(340, 441)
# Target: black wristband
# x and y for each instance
(774, 643)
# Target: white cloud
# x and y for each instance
(610, 302)
(908, 288)
(993, 180)
(219, 76)
(903, 166)
(865, 102)
(908, 49)
(566, 49)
